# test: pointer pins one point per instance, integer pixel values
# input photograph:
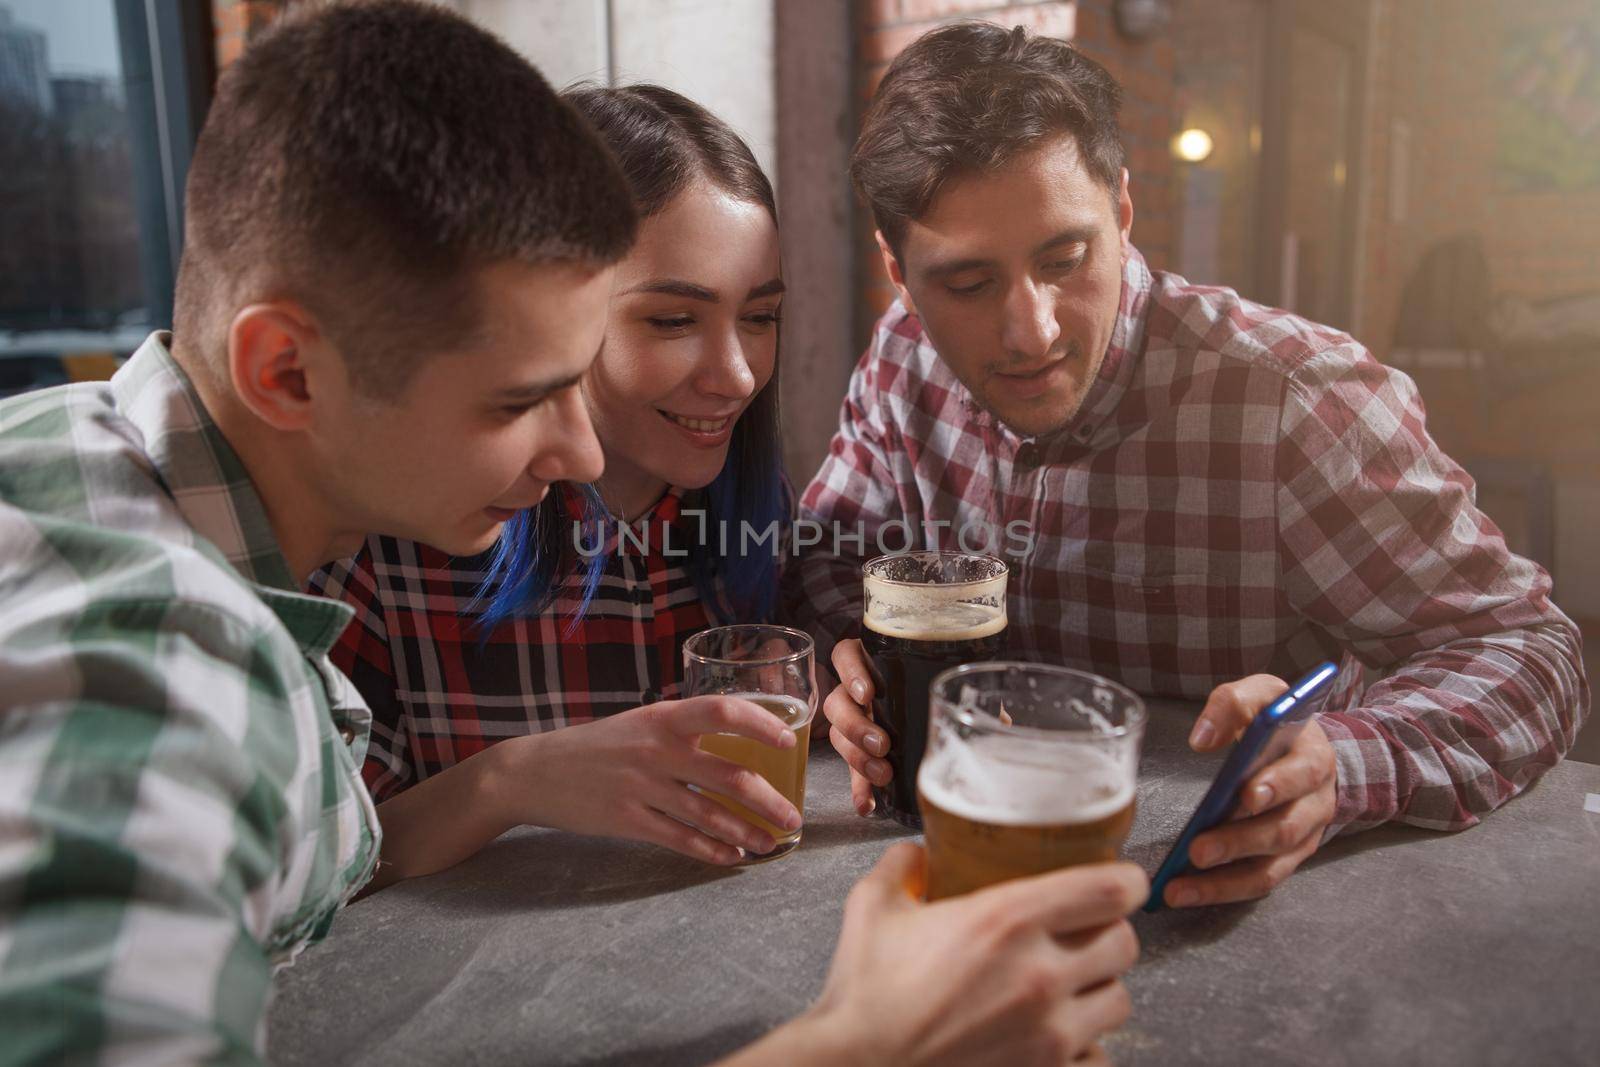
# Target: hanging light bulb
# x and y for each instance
(1192, 145)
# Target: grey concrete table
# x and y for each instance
(1397, 946)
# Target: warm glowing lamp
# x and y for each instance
(1192, 145)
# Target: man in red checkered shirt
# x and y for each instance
(1198, 495)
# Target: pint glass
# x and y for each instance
(772, 666)
(1029, 767)
(923, 613)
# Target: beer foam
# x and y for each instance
(948, 621)
(928, 597)
(1013, 781)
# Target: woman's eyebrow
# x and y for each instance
(677, 287)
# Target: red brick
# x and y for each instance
(228, 18)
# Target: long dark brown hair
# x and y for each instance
(664, 142)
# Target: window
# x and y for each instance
(98, 110)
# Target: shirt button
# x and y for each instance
(1027, 455)
(347, 734)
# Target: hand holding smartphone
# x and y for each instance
(1266, 739)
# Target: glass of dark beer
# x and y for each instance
(1029, 767)
(773, 667)
(923, 613)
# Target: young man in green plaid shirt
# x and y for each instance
(398, 258)
(384, 302)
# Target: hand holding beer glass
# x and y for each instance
(922, 613)
(773, 667)
(1030, 767)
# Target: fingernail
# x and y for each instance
(875, 744)
(1203, 734)
(792, 822)
(1260, 797)
(858, 689)
(1183, 898)
(877, 769)
(1205, 855)
(761, 846)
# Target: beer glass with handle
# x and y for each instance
(923, 612)
(774, 667)
(1029, 767)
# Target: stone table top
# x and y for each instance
(1393, 946)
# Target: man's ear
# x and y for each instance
(891, 265)
(1125, 215)
(270, 349)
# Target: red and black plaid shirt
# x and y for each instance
(439, 693)
(1242, 491)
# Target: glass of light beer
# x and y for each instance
(1029, 767)
(923, 613)
(774, 667)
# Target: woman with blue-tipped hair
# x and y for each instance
(521, 686)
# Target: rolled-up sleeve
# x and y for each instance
(1480, 684)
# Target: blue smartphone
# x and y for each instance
(1268, 737)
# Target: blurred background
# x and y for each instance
(1422, 173)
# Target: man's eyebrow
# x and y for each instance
(677, 287)
(772, 288)
(1071, 235)
(535, 390)
(956, 266)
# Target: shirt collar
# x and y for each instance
(647, 529)
(212, 490)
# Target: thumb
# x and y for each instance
(899, 877)
(1231, 707)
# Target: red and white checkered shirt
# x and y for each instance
(1242, 491)
(439, 693)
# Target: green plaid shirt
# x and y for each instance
(180, 804)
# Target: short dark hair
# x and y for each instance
(968, 98)
(365, 159)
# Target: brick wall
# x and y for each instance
(1146, 71)
(1149, 115)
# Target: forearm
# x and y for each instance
(1458, 730)
(809, 1040)
(443, 819)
